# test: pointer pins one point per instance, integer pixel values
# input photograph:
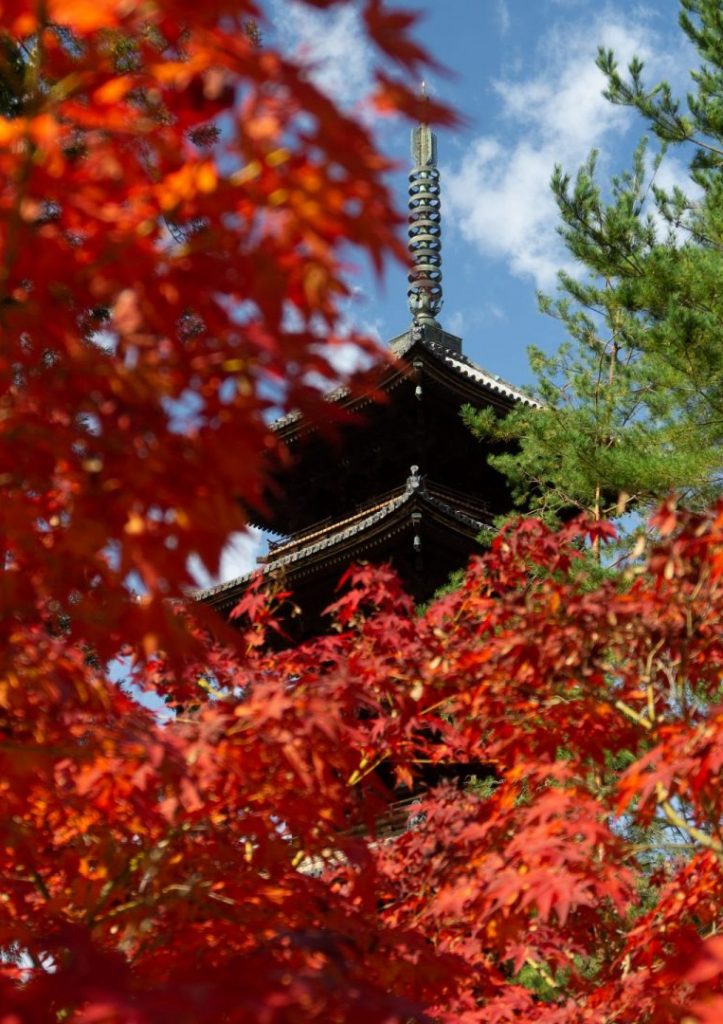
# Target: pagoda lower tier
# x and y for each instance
(424, 530)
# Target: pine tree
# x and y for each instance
(632, 403)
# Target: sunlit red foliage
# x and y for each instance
(175, 200)
(218, 861)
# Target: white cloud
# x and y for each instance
(347, 358)
(461, 322)
(332, 43)
(240, 554)
(504, 19)
(495, 311)
(498, 194)
(238, 558)
(456, 323)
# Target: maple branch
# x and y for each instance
(106, 892)
(647, 678)
(121, 909)
(542, 972)
(632, 714)
(40, 884)
(657, 846)
(674, 818)
(433, 707)
(701, 837)
(363, 770)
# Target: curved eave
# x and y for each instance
(446, 349)
(351, 539)
(460, 375)
(295, 425)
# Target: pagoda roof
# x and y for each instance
(344, 539)
(448, 348)
(446, 352)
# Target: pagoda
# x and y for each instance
(401, 480)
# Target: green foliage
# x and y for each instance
(632, 404)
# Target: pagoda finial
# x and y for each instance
(425, 242)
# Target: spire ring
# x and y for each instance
(425, 230)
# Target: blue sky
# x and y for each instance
(524, 79)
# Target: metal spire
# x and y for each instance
(425, 242)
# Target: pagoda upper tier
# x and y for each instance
(410, 418)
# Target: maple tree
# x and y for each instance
(170, 190)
